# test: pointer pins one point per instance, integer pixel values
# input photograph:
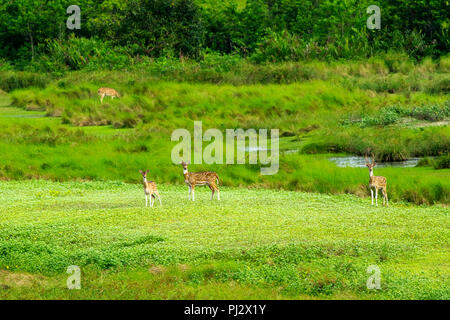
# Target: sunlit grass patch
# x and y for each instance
(263, 243)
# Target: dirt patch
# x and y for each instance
(13, 279)
(156, 269)
(432, 124)
(183, 267)
(411, 122)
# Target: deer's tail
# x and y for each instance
(217, 178)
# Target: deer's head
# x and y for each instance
(369, 164)
(144, 174)
(185, 166)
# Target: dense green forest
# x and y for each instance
(118, 33)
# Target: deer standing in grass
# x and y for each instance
(150, 189)
(376, 182)
(107, 92)
(193, 179)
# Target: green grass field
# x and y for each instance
(261, 244)
(70, 190)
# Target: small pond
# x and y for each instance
(358, 162)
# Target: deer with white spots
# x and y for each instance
(150, 189)
(107, 92)
(193, 179)
(376, 182)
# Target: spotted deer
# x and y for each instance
(193, 179)
(376, 182)
(150, 189)
(107, 92)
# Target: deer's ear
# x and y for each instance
(147, 171)
(140, 171)
(374, 164)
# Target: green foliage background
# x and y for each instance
(262, 30)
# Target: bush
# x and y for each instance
(279, 47)
(425, 162)
(5, 65)
(398, 62)
(17, 80)
(442, 162)
(444, 63)
(439, 85)
(81, 53)
(431, 112)
(393, 114)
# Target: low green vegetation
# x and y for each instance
(62, 132)
(69, 180)
(394, 114)
(34, 146)
(253, 243)
(442, 162)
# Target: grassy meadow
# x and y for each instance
(70, 190)
(258, 244)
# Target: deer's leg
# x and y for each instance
(193, 193)
(376, 197)
(101, 98)
(146, 200)
(216, 188)
(153, 197)
(212, 191)
(386, 196)
(159, 198)
(371, 194)
(190, 191)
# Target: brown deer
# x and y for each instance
(376, 182)
(192, 179)
(150, 189)
(107, 92)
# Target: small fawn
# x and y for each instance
(107, 92)
(376, 182)
(192, 179)
(150, 189)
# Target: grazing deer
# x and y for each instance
(150, 189)
(192, 179)
(376, 182)
(107, 92)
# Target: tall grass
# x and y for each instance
(136, 129)
(389, 72)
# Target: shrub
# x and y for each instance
(444, 63)
(278, 47)
(431, 112)
(79, 53)
(425, 162)
(438, 85)
(17, 80)
(442, 162)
